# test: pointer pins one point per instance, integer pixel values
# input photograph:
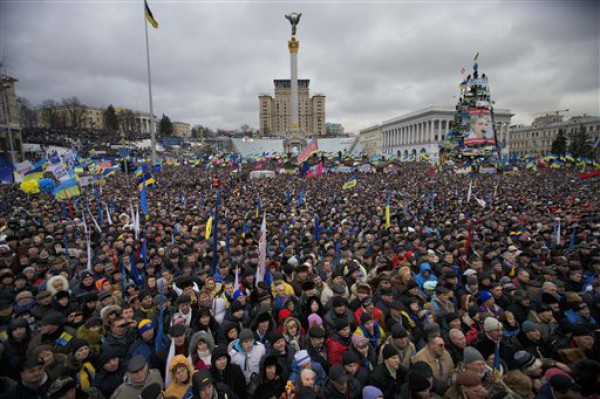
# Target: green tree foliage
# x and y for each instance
(165, 127)
(580, 144)
(110, 119)
(559, 145)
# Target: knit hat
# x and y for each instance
(316, 332)
(144, 326)
(471, 355)
(417, 381)
(524, 359)
(389, 351)
(371, 392)
(301, 358)
(468, 379)
(78, 343)
(430, 285)
(338, 301)
(484, 296)
(492, 324)
(52, 318)
(60, 387)
(315, 319)
(151, 391)
(528, 326)
(365, 318)
(341, 324)
(349, 357)
(398, 331)
(275, 336)
(246, 335)
(357, 338)
(235, 306)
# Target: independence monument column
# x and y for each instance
(293, 46)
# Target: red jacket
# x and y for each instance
(335, 351)
(378, 315)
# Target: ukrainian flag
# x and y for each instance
(149, 16)
(350, 183)
(67, 189)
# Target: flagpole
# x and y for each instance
(152, 122)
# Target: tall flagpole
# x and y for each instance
(152, 123)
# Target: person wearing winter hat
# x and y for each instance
(339, 342)
(138, 377)
(388, 376)
(399, 339)
(53, 332)
(351, 363)
(340, 385)
(181, 371)
(528, 364)
(279, 349)
(204, 387)
(111, 372)
(468, 385)
(435, 354)
(371, 392)
(247, 353)
(316, 346)
(371, 330)
(33, 380)
(419, 386)
(224, 372)
(474, 361)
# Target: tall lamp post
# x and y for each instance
(4, 86)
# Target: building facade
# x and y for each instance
(538, 138)
(11, 142)
(274, 112)
(334, 129)
(78, 117)
(181, 129)
(370, 139)
(423, 130)
(134, 121)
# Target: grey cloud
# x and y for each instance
(373, 60)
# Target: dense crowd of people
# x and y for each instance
(493, 297)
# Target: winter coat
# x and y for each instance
(128, 389)
(354, 391)
(231, 376)
(120, 345)
(381, 378)
(107, 383)
(336, 346)
(61, 341)
(420, 278)
(248, 362)
(20, 391)
(194, 356)
(176, 389)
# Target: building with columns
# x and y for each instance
(274, 113)
(423, 130)
(134, 121)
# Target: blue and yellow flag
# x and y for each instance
(149, 16)
(67, 189)
(387, 212)
(350, 183)
(143, 176)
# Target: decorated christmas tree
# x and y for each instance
(471, 139)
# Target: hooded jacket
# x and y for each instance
(420, 278)
(175, 388)
(248, 362)
(194, 356)
(231, 376)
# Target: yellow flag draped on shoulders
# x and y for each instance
(208, 231)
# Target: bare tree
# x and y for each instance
(49, 113)
(27, 113)
(75, 110)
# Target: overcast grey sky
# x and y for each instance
(372, 59)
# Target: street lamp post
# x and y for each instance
(5, 86)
